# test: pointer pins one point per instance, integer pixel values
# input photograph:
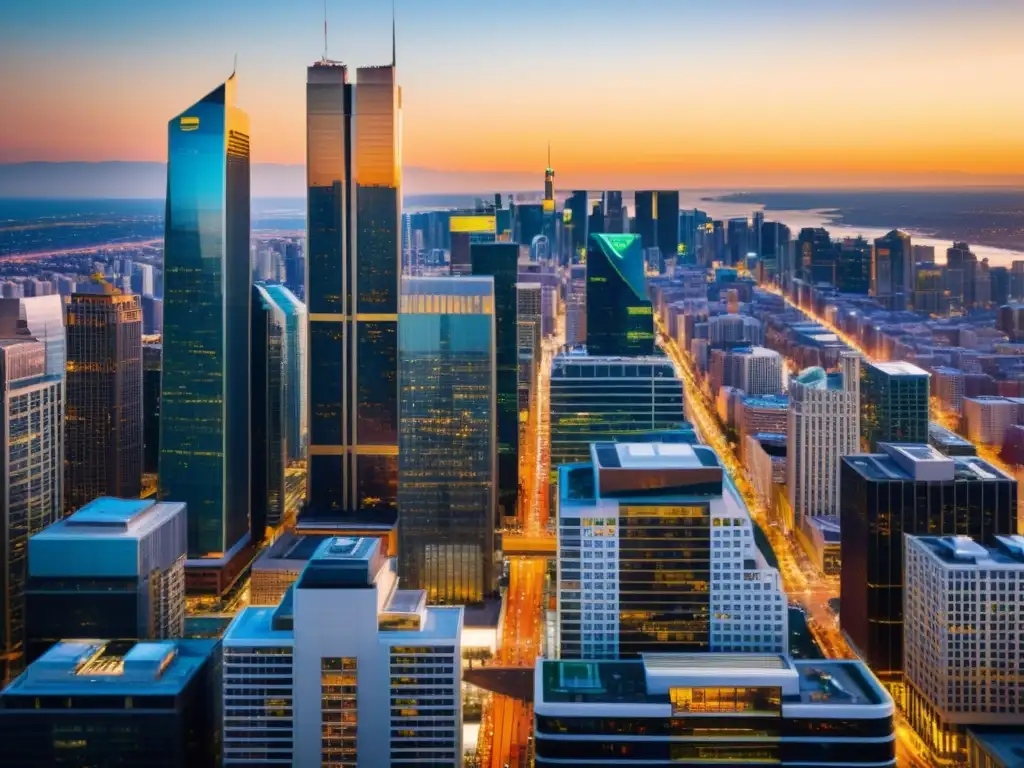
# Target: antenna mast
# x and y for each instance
(325, 30)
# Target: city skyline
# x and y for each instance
(746, 94)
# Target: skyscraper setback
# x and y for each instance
(204, 416)
(354, 262)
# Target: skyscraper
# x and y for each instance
(619, 314)
(893, 404)
(815, 255)
(267, 390)
(295, 362)
(33, 462)
(500, 261)
(853, 266)
(894, 270)
(152, 356)
(961, 275)
(578, 204)
(907, 489)
(576, 306)
(103, 429)
(824, 426)
(447, 460)
(614, 223)
(354, 259)
(528, 339)
(204, 408)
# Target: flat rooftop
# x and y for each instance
(343, 561)
(770, 402)
(111, 518)
(899, 368)
(1004, 744)
(652, 456)
(882, 467)
(113, 668)
(290, 551)
(648, 680)
(966, 552)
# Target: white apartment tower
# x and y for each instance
(757, 370)
(963, 662)
(824, 426)
(348, 671)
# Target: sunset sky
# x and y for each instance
(629, 92)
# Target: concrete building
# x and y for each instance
(765, 459)
(728, 709)
(757, 370)
(987, 417)
(965, 601)
(576, 306)
(761, 414)
(279, 565)
(115, 568)
(366, 674)
(528, 344)
(824, 425)
(637, 505)
(115, 702)
(735, 330)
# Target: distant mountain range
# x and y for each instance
(126, 180)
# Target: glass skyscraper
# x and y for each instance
(501, 261)
(447, 460)
(267, 388)
(893, 404)
(205, 408)
(103, 429)
(354, 258)
(620, 321)
(32, 462)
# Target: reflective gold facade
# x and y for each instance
(354, 263)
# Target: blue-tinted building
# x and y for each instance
(354, 261)
(295, 362)
(205, 403)
(114, 568)
(115, 702)
(501, 261)
(893, 404)
(620, 321)
(447, 468)
(579, 208)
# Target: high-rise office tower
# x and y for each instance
(620, 321)
(815, 255)
(500, 261)
(204, 406)
(152, 355)
(960, 670)
(268, 433)
(103, 440)
(33, 461)
(657, 555)
(610, 399)
(766, 709)
(738, 239)
(999, 280)
(366, 674)
(961, 275)
(447, 459)
(114, 568)
(667, 229)
(645, 211)
(576, 306)
(40, 318)
(528, 340)
(907, 489)
(578, 204)
(291, 317)
(614, 215)
(853, 266)
(353, 172)
(775, 240)
(894, 270)
(549, 186)
(893, 404)
(824, 426)
(141, 704)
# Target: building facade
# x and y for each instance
(205, 405)
(726, 709)
(961, 671)
(364, 674)
(528, 346)
(576, 306)
(907, 489)
(620, 320)
(152, 357)
(656, 553)
(757, 370)
(103, 440)
(824, 416)
(268, 429)
(893, 404)
(115, 702)
(33, 464)
(114, 568)
(448, 441)
(599, 399)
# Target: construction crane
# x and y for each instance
(100, 279)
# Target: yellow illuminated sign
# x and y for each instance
(638, 311)
(681, 249)
(473, 224)
(189, 123)
(549, 206)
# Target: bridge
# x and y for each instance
(516, 545)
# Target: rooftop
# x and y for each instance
(828, 525)
(1004, 744)
(108, 517)
(898, 368)
(651, 456)
(901, 467)
(772, 402)
(965, 551)
(113, 668)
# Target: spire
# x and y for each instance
(393, 46)
(325, 30)
(549, 154)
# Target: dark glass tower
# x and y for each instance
(204, 417)
(667, 229)
(269, 377)
(645, 212)
(893, 404)
(580, 213)
(614, 224)
(619, 315)
(447, 462)
(815, 255)
(354, 257)
(907, 489)
(853, 266)
(894, 268)
(152, 354)
(500, 261)
(103, 427)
